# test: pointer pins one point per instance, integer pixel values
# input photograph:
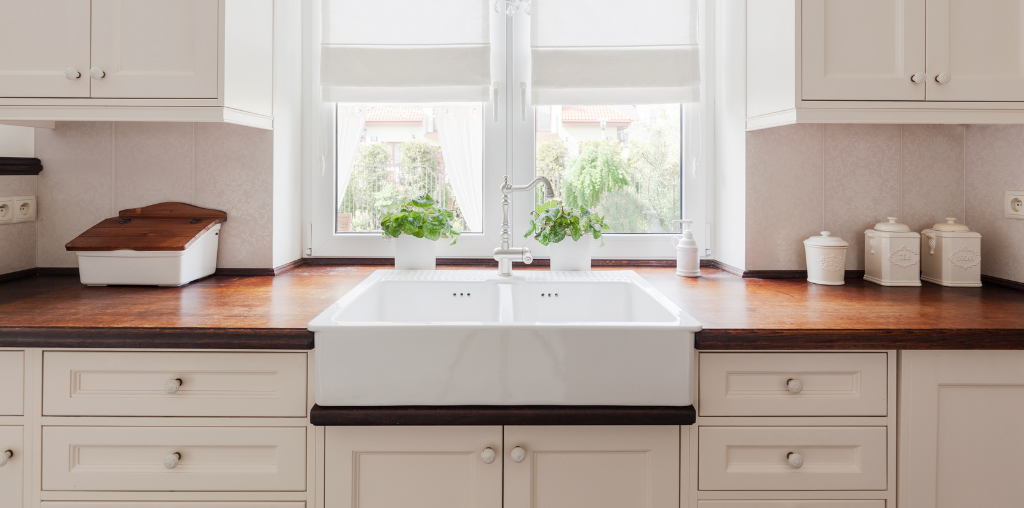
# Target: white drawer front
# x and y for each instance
(212, 458)
(875, 503)
(12, 383)
(757, 384)
(11, 474)
(212, 384)
(756, 458)
(175, 504)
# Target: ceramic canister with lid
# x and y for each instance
(687, 256)
(892, 254)
(951, 255)
(826, 259)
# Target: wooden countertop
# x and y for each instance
(736, 313)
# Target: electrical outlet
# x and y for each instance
(6, 210)
(24, 209)
(1014, 204)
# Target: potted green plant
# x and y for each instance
(415, 224)
(557, 226)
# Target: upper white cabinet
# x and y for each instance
(154, 49)
(884, 61)
(139, 60)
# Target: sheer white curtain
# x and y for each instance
(460, 130)
(350, 129)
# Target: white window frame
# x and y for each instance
(501, 150)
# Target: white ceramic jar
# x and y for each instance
(892, 254)
(826, 259)
(572, 256)
(413, 253)
(951, 255)
(687, 256)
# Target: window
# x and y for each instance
(422, 101)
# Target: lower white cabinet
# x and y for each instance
(175, 504)
(174, 458)
(874, 503)
(961, 442)
(13, 470)
(453, 467)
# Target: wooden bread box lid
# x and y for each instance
(159, 227)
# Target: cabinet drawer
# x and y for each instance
(211, 458)
(756, 458)
(212, 384)
(875, 503)
(12, 473)
(757, 384)
(174, 504)
(12, 379)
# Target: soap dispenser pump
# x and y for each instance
(687, 259)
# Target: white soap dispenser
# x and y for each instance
(687, 259)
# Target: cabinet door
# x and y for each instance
(155, 48)
(863, 50)
(960, 429)
(39, 40)
(422, 467)
(592, 467)
(980, 44)
(11, 473)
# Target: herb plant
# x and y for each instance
(555, 224)
(420, 217)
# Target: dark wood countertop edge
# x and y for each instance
(501, 415)
(156, 338)
(862, 339)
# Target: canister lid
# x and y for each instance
(826, 240)
(951, 226)
(892, 226)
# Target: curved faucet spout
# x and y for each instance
(549, 191)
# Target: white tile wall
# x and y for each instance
(94, 169)
(919, 173)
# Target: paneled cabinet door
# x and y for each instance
(979, 44)
(863, 50)
(592, 467)
(155, 49)
(11, 473)
(960, 429)
(422, 467)
(44, 48)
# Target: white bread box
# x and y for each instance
(826, 259)
(892, 254)
(951, 255)
(167, 244)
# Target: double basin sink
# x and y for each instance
(469, 337)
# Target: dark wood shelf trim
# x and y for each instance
(501, 415)
(866, 339)
(13, 166)
(157, 338)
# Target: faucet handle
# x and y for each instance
(527, 255)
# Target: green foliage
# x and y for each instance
(598, 169)
(551, 158)
(421, 152)
(420, 217)
(556, 224)
(373, 153)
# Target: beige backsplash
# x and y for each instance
(843, 178)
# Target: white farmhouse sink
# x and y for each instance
(465, 337)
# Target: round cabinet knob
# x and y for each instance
(171, 461)
(487, 455)
(795, 385)
(918, 78)
(796, 461)
(171, 386)
(97, 73)
(5, 456)
(518, 454)
(943, 78)
(71, 73)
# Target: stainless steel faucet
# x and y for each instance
(506, 253)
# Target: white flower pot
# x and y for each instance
(568, 255)
(413, 253)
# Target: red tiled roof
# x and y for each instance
(593, 114)
(387, 114)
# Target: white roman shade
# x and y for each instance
(614, 52)
(405, 51)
